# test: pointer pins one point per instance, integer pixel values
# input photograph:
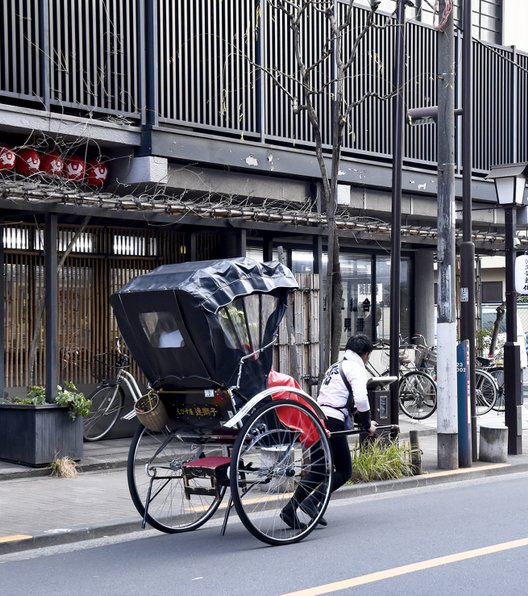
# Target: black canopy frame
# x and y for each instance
(188, 325)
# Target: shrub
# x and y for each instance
(75, 400)
(35, 396)
(68, 396)
(381, 460)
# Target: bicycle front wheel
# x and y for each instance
(177, 499)
(498, 375)
(485, 392)
(107, 403)
(417, 395)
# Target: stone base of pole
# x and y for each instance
(447, 451)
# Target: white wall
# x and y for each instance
(515, 22)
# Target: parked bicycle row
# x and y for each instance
(417, 388)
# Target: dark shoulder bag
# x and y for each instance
(350, 405)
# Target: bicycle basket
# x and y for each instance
(425, 357)
(106, 366)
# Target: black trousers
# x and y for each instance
(340, 454)
(342, 461)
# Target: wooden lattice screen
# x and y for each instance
(305, 305)
(102, 260)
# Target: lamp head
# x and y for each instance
(510, 182)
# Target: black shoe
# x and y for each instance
(289, 517)
(309, 507)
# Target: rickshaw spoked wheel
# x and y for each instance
(281, 446)
(177, 503)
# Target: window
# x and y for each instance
(161, 329)
(492, 291)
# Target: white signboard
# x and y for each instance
(343, 194)
(521, 274)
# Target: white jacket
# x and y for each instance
(333, 394)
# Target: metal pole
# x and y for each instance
(51, 302)
(467, 248)
(446, 331)
(397, 164)
(512, 353)
(2, 315)
(148, 76)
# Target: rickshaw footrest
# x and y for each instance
(212, 467)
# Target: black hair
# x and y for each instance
(360, 344)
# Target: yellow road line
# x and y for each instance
(14, 537)
(465, 470)
(412, 568)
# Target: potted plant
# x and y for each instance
(35, 433)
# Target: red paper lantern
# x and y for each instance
(27, 162)
(74, 168)
(51, 163)
(96, 173)
(7, 158)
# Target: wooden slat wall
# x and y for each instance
(103, 259)
(305, 305)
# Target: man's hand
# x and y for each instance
(373, 428)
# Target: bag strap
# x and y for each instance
(350, 401)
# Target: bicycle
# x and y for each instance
(416, 393)
(109, 397)
(485, 385)
(497, 372)
(416, 388)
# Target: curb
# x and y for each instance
(46, 471)
(430, 478)
(122, 463)
(126, 527)
(69, 536)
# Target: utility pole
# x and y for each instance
(467, 248)
(447, 425)
(397, 164)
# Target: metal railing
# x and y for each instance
(196, 64)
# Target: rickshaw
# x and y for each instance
(217, 416)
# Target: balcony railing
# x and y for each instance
(195, 64)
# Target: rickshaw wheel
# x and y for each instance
(155, 471)
(280, 446)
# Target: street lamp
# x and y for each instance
(510, 184)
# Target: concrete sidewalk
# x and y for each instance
(40, 510)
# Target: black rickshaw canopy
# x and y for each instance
(188, 324)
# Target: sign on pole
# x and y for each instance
(521, 274)
(464, 406)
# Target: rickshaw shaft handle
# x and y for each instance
(357, 431)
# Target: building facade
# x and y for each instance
(189, 149)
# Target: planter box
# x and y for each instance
(36, 435)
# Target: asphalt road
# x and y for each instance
(467, 537)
